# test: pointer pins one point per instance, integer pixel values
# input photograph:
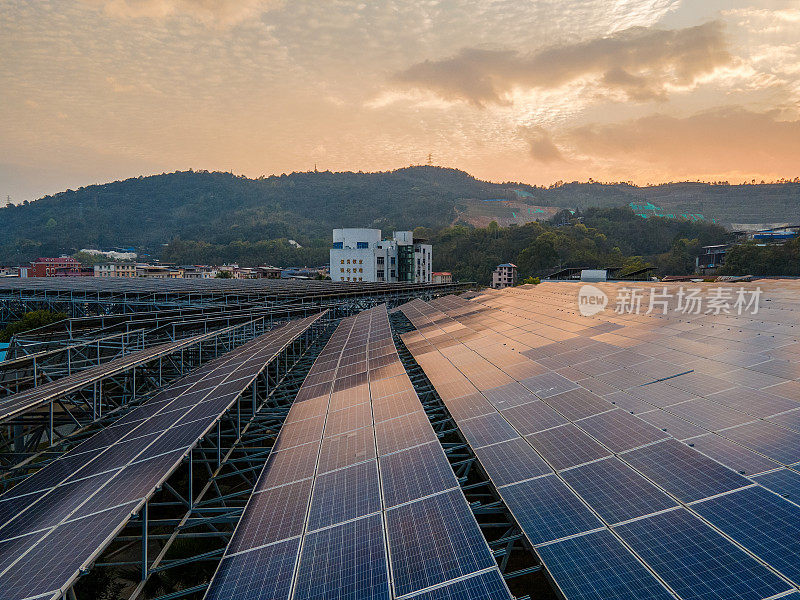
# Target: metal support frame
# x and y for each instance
(32, 440)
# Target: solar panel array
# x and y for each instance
(55, 522)
(358, 499)
(643, 456)
(15, 404)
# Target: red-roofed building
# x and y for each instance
(63, 266)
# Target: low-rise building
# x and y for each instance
(63, 266)
(442, 277)
(361, 255)
(504, 276)
(116, 269)
(711, 258)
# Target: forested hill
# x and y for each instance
(196, 210)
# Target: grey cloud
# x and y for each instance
(639, 62)
(221, 13)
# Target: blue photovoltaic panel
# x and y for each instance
(434, 540)
(578, 403)
(487, 429)
(776, 442)
(533, 417)
(783, 481)
(709, 414)
(731, 454)
(345, 494)
(696, 561)
(684, 472)
(273, 515)
(621, 431)
(488, 585)
(596, 566)
(511, 461)
(547, 509)
(678, 428)
(762, 522)
(566, 446)
(414, 473)
(616, 491)
(345, 561)
(262, 573)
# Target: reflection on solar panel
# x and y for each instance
(362, 517)
(81, 500)
(612, 395)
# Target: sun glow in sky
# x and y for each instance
(520, 90)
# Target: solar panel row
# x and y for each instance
(16, 404)
(612, 470)
(357, 499)
(56, 521)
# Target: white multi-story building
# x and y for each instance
(361, 255)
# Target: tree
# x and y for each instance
(30, 320)
(223, 275)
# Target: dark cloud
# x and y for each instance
(639, 62)
(730, 139)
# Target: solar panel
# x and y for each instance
(778, 443)
(488, 585)
(487, 429)
(265, 572)
(783, 481)
(696, 561)
(683, 472)
(596, 566)
(566, 446)
(272, 516)
(345, 494)
(615, 491)
(675, 426)
(511, 461)
(578, 403)
(506, 396)
(762, 522)
(547, 509)
(730, 454)
(404, 432)
(434, 540)
(548, 384)
(346, 449)
(347, 560)
(533, 417)
(620, 431)
(416, 472)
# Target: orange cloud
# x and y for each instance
(639, 62)
(209, 12)
(722, 140)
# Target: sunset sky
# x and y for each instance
(524, 90)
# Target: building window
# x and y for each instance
(338, 245)
(394, 273)
(362, 245)
(393, 260)
(380, 260)
(380, 273)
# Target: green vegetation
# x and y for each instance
(219, 217)
(774, 259)
(30, 320)
(606, 237)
